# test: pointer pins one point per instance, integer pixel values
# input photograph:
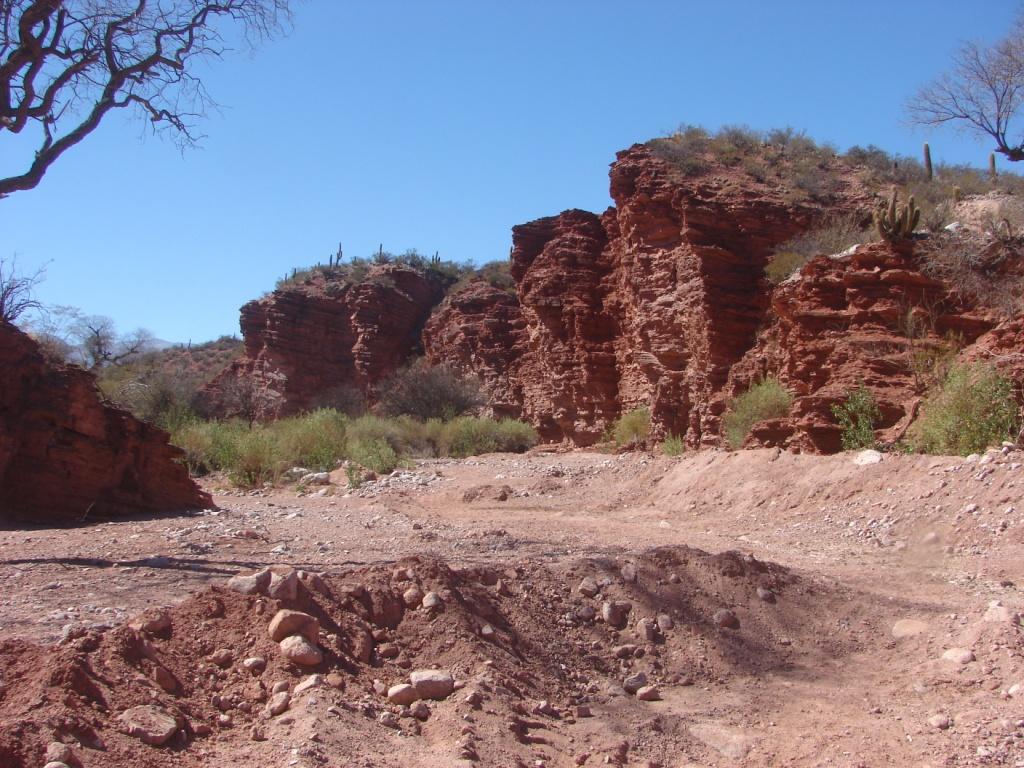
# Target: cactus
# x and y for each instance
(897, 222)
(992, 166)
(958, 194)
(928, 161)
(435, 260)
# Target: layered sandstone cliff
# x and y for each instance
(67, 456)
(649, 304)
(869, 317)
(323, 341)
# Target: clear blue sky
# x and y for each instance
(439, 125)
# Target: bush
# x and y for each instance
(254, 455)
(632, 427)
(672, 446)
(470, 436)
(857, 416)
(316, 440)
(767, 399)
(428, 392)
(255, 461)
(973, 409)
(831, 236)
(374, 454)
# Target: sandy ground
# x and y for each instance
(884, 568)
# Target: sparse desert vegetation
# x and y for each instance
(766, 399)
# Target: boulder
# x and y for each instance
(432, 683)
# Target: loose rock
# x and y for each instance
(287, 622)
(432, 683)
(250, 583)
(649, 693)
(402, 694)
(588, 587)
(959, 655)
(299, 650)
(615, 613)
(726, 618)
(150, 724)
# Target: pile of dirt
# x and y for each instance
(549, 664)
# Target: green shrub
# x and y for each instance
(767, 399)
(974, 408)
(254, 455)
(469, 436)
(857, 416)
(316, 440)
(374, 454)
(632, 427)
(197, 441)
(672, 445)
(255, 461)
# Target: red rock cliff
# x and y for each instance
(651, 303)
(870, 317)
(66, 456)
(311, 344)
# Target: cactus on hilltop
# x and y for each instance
(897, 222)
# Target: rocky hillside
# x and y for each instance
(66, 455)
(662, 302)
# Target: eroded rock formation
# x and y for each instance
(319, 342)
(649, 304)
(871, 317)
(67, 456)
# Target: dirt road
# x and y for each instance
(848, 580)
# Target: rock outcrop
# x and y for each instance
(323, 341)
(868, 317)
(67, 456)
(649, 304)
(481, 331)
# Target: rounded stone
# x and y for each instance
(432, 683)
(152, 725)
(959, 655)
(402, 694)
(299, 650)
(287, 622)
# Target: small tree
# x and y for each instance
(857, 416)
(65, 64)
(16, 291)
(983, 92)
(428, 392)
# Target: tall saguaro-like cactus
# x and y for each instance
(928, 161)
(897, 222)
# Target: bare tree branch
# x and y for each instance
(982, 93)
(16, 291)
(65, 64)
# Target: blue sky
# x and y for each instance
(439, 125)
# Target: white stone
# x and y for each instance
(299, 650)
(867, 457)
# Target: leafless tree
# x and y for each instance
(65, 64)
(100, 345)
(16, 291)
(983, 92)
